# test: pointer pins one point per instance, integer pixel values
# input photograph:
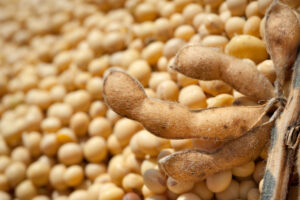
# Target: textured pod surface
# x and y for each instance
(193, 164)
(170, 120)
(282, 35)
(205, 63)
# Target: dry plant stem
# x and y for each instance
(281, 156)
(170, 120)
(298, 166)
(282, 35)
(193, 164)
(208, 64)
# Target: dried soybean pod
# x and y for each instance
(292, 3)
(206, 63)
(195, 165)
(298, 161)
(126, 97)
(282, 35)
(284, 138)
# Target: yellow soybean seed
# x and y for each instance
(219, 182)
(153, 52)
(73, 175)
(245, 187)
(95, 149)
(49, 144)
(220, 100)
(263, 5)
(163, 29)
(79, 100)
(113, 144)
(236, 7)
(4, 186)
(79, 123)
(181, 144)
(141, 70)
(252, 26)
(215, 87)
(4, 196)
(267, 68)
(253, 194)
(192, 96)
(98, 66)
(244, 170)
(93, 89)
(158, 77)
(4, 162)
(183, 80)
(70, 154)
(172, 46)
(190, 196)
(232, 191)
(234, 26)
(148, 164)
(259, 171)
(65, 135)
(132, 182)
(79, 194)
(213, 24)
(215, 41)
(93, 170)
(150, 144)
(176, 20)
(21, 154)
(128, 57)
(246, 46)
(32, 142)
(62, 111)
(124, 129)
(252, 9)
(179, 187)
(145, 12)
(184, 32)
(155, 181)
(112, 193)
(100, 126)
(202, 191)
(38, 173)
(117, 170)
(26, 190)
(168, 90)
(15, 173)
(97, 109)
(190, 11)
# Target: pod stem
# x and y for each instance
(284, 142)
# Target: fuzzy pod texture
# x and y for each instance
(206, 63)
(282, 35)
(195, 165)
(126, 96)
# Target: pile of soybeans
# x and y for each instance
(58, 138)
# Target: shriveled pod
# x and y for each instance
(194, 164)
(282, 35)
(206, 63)
(126, 96)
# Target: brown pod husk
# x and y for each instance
(174, 121)
(195, 165)
(282, 35)
(206, 63)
